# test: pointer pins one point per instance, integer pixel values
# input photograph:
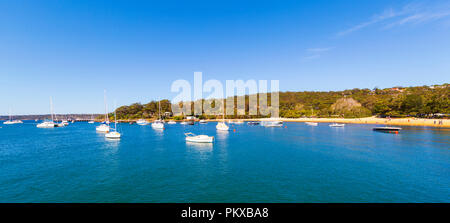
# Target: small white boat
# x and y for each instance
(11, 121)
(222, 126)
(183, 123)
(337, 125)
(190, 137)
(46, 124)
(312, 123)
(387, 129)
(65, 123)
(102, 128)
(203, 121)
(114, 134)
(158, 124)
(92, 119)
(73, 121)
(142, 122)
(239, 122)
(172, 122)
(273, 124)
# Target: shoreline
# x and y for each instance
(379, 121)
(367, 120)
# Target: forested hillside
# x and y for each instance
(424, 101)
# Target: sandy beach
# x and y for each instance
(442, 123)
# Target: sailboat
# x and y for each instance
(92, 119)
(11, 121)
(114, 134)
(158, 124)
(48, 123)
(104, 127)
(221, 125)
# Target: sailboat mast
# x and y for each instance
(51, 108)
(115, 118)
(10, 116)
(106, 106)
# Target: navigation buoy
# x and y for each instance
(234, 130)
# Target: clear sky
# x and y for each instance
(73, 50)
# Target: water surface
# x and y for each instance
(298, 163)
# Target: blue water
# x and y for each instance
(298, 163)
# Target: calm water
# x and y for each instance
(254, 164)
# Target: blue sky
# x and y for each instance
(73, 50)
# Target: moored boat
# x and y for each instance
(387, 129)
(312, 123)
(191, 137)
(142, 122)
(337, 125)
(114, 134)
(273, 124)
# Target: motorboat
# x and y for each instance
(191, 137)
(142, 122)
(172, 122)
(273, 124)
(46, 124)
(387, 129)
(203, 121)
(312, 123)
(253, 123)
(337, 125)
(102, 128)
(183, 123)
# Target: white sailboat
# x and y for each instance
(114, 134)
(221, 126)
(158, 124)
(11, 121)
(104, 127)
(92, 119)
(48, 123)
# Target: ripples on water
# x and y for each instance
(299, 163)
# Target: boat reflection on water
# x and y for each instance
(222, 134)
(201, 147)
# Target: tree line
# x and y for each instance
(421, 101)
